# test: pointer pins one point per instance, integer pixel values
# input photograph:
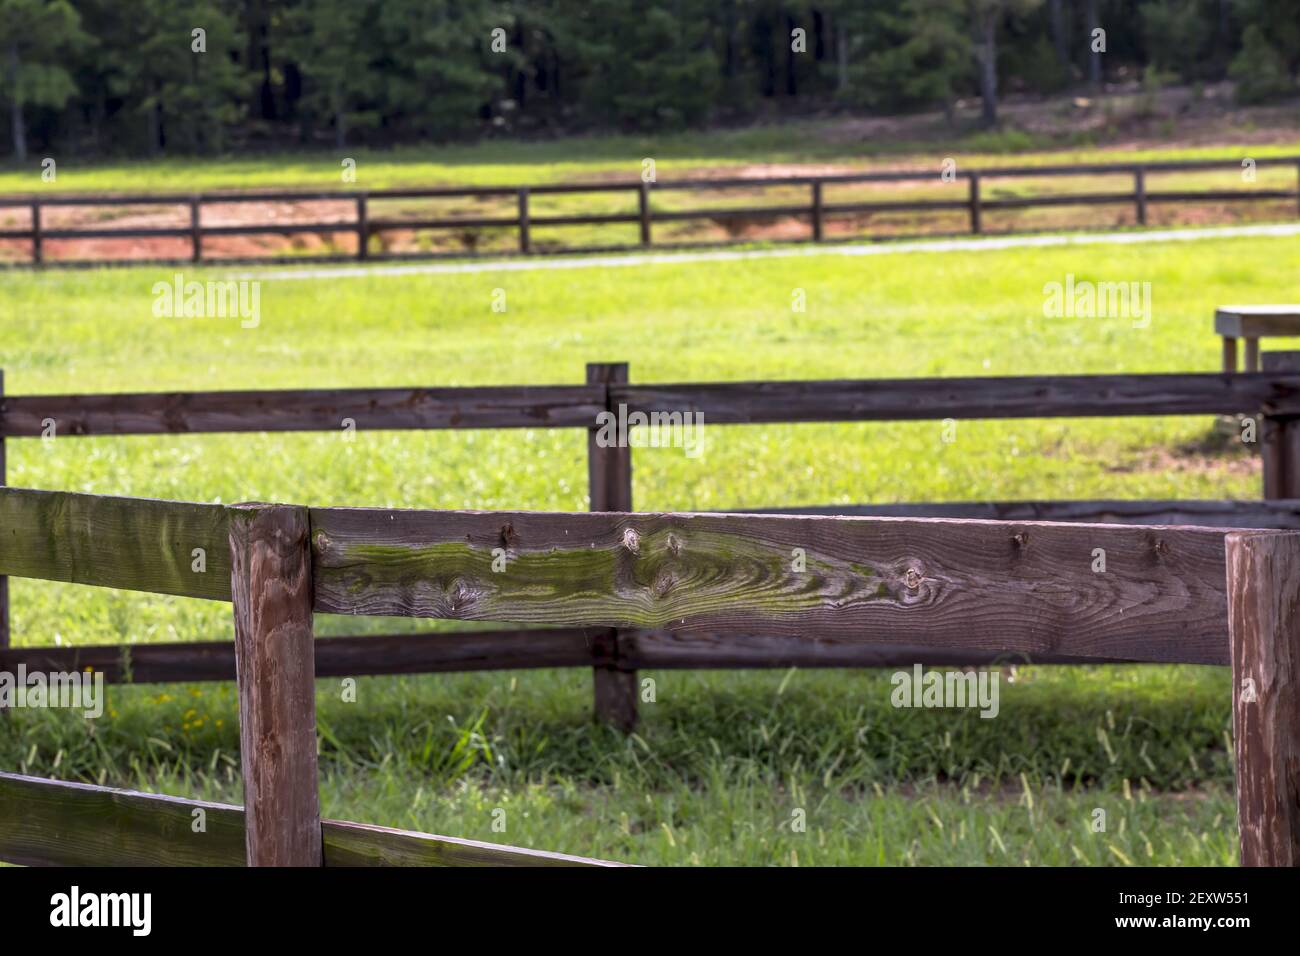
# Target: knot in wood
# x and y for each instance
(631, 540)
(459, 595)
(1021, 538)
(663, 583)
(912, 579)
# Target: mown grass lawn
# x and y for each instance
(723, 761)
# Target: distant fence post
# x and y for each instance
(1140, 194)
(4, 581)
(817, 210)
(271, 589)
(196, 237)
(975, 225)
(1264, 628)
(38, 253)
(609, 476)
(1279, 438)
(643, 211)
(363, 228)
(525, 241)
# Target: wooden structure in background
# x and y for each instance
(1252, 323)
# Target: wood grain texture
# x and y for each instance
(1278, 514)
(609, 479)
(271, 585)
(1264, 623)
(1035, 396)
(151, 413)
(367, 655)
(1007, 587)
(359, 844)
(54, 823)
(134, 543)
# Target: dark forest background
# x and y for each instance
(125, 76)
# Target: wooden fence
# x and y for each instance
(1168, 594)
(616, 654)
(267, 576)
(816, 211)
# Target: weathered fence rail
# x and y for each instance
(615, 653)
(266, 574)
(816, 211)
(1175, 594)
(57, 823)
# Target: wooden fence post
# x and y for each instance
(4, 581)
(817, 210)
(38, 253)
(1140, 194)
(196, 236)
(271, 588)
(643, 211)
(975, 225)
(1279, 438)
(525, 241)
(363, 228)
(609, 476)
(1229, 354)
(1264, 627)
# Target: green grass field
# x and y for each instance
(723, 760)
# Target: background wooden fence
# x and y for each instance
(816, 211)
(615, 654)
(1194, 595)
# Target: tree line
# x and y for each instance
(146, 76)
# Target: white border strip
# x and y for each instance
(883, 248)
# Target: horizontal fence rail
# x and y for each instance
(987, 397)
(1277, 515)
(987, 587)
(501, 650)
(134, 544)
(721, 403)
(154, 413)
(54, 823)
(816, 211)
